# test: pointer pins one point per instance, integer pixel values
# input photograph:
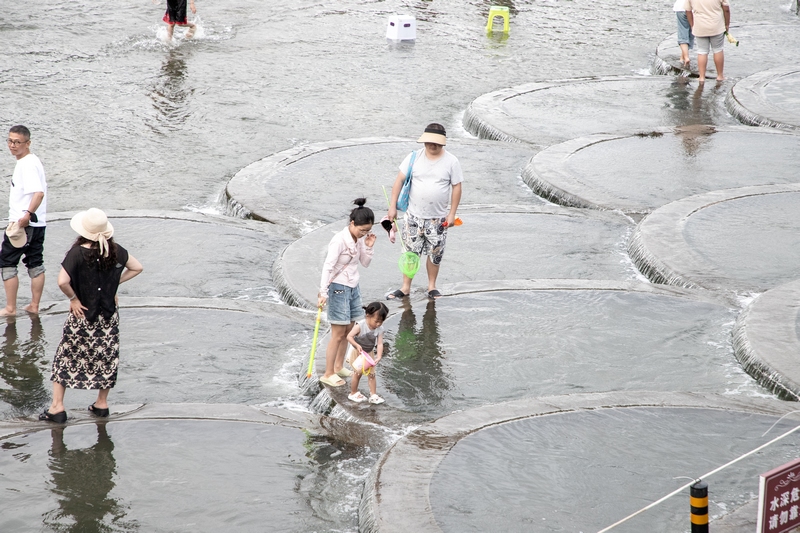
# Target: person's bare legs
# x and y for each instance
(702, 63)
(170, 31)
(685, 54)
(338, 335)
(102, 399)
(37, 287)
(11, 286)
(406, 288)
(343, 345)
(190, 31)
(719, 64)
(433, 273)
(57, 405)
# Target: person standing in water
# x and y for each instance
(709, 19)
(176, 14)
(367, 336)
(27, 209)
(339, 287)
(435, 182)
(685, 35)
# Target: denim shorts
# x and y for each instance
(685, 35)
(344, 304)
(715, 43)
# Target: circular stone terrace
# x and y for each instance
(757, 51)
(197, 329)
(554, 463)
(766, 343)
(742, 240)
(546, 113)
(340, 171)
(639, 173)
(768, 98)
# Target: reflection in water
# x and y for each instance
(82, 480)
(20, 368)
(169, 93)
(692, 113)
(416, 373)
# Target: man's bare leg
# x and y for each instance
(170, 30)
(719, 64)
(702, 63)
(433, 273)
(11, 286)
(37, 287)
(190, 31)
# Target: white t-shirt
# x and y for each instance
(28, 179)
(679, 5)
(367, 338)
(431, 183)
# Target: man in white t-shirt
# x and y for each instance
(27, 207)
(435, 194)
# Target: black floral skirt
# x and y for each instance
(88, 354)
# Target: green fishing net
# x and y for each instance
(408, 264)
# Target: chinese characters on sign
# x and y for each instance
(779, 499)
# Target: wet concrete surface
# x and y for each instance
(414, 487)
(534, 244)
(568, 338)
(228, 352)
(756, 51)
(598, 171)
(182, 254)
(115, 474)
(549, 112)
(344, 170)
(766, 340)
(740, 240)
(768, 98)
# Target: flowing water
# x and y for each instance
(124, 121)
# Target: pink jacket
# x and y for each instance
(341, 263)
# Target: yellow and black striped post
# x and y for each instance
(699, 499)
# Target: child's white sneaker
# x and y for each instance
(375, 399)
(357, 397)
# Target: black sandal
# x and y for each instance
(396, 295)
(58, 418)
(96, 411)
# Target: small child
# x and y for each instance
(367, 335)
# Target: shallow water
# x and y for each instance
(752, 239)
(167, 476)
(124, 121)
(477, 349)
(625, 460)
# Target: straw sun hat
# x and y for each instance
(93, 224)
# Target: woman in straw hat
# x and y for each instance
(88, 354)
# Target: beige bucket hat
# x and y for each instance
(93, 224)
(16, 235)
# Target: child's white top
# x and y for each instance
(341, 263)
(367, 338)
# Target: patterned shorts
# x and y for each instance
(424, 236)
(88, 354)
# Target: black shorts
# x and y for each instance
(33, 251)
